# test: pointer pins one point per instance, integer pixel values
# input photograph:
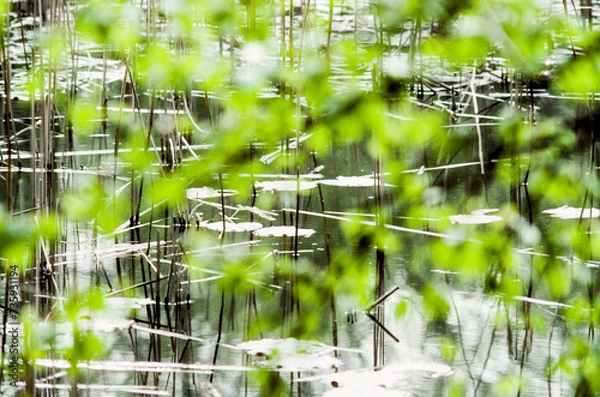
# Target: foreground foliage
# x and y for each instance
(186, 177)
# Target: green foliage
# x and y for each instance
(168, 191)
(222, 14)
(270, 383)
(350, 276)
(138, 156)
(408, 136)
(352, 115)
(85, 116)
(86, 347)
(435, 305)
(20, 234)
(401, 309)
(570, 76)
(524, 34)
(162, 70)
(237, 277)
(506, 386)
(438, 97)
(92, 203)
(92, 300)
(448, 350)
(85, 344)
(54, 43)
(395, 12)
(17, 238)
(113, 22)
(457, 388)
(458, 50)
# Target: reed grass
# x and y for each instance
(126, 228)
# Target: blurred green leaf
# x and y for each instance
(85, 117)
(458, 50)
(401, 309)
(435, 305)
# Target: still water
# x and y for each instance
(181, 300)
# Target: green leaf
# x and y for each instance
(458, 50)
(436, 307)
(401, 309)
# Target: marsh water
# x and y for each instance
(182, 294)
(487, 334)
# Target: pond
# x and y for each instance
(356, 216)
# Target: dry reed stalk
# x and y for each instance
(283, 50)
(477, 126)
(30, 370)
(291, 38)
(378, 194)
(7, 109)
(378, 331)
(329, 27)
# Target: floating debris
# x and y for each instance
(285, 186)
(361, 391)
(314, 174)
(97, 388)
(477, 217)
(140, 366)
(386, 377)
(350, 181)
(283, 231)
(541, 302)
(104, 324)
(119, 303)
(265, 214)
(298, 362)
(201, 193)
(291, 144)
(291, 354)
(232, 227)
(566, 212)
(268, 346)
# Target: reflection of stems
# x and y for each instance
(591, 287)
(222, 207)
(245, 358)
(297, 213)
(528, 338)
(525, 347)
(550, 352)
(487, 357)
(327, 237)
(459, 326)
(380, 262)
(219, 334)
(509, 336)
